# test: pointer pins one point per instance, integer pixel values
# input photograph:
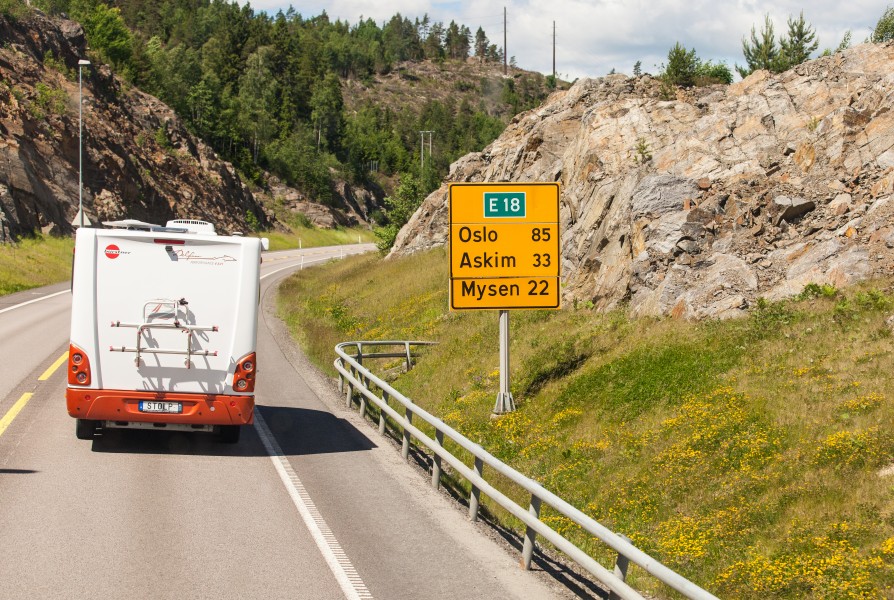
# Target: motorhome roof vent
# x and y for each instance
(193, 226)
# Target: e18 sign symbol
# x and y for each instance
(504, 204)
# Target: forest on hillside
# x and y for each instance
(266, 92)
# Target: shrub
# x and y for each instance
(406, 198)
(16, 9)
(299, 219)
(51, 62)
(643, 153)
(709, 73)
(47, 101)
(161, 138)
(815, 290)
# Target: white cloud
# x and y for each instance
(594, 37)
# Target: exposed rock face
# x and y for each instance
(354, 206)
(698, 206)
(139, 160)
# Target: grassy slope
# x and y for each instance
(314, 236)
(744, 454)
(34, 262)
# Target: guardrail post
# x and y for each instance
(382, 414)
(341, 383)
(436, 461)
(405, 450)
(475, 498)
(621, 564)
(409, 357)
(530, 534)
(363, 402)
(349, 391)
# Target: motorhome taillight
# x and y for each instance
(78, 366)
(244, 377)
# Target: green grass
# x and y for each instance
(34, 262)
(745, 454)
(309, 237)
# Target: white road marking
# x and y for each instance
(345, 574)
(33, 301)
(350, 582)
(306, 262)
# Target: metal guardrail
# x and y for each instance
(353, 375)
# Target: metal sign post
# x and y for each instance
(505, 403)
(504, 255)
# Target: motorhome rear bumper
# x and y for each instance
(124, 405)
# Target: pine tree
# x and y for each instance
(799, 44)
(452, 41)
(761, 53)
(481, 44)
(433, 46)
(327, 104)
(465, 40)
(682, 66)
(884, 28)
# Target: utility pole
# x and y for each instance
(81, 63)
(505, 52)
(422, 150)
(554, 51)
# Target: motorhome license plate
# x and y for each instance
(161, 407)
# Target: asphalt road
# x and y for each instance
(311, 504)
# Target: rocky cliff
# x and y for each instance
(139, 160)
(699, 205)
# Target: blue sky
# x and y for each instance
(594, 37)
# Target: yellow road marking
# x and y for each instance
(52, 368)
(14, 411)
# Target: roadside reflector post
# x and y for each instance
(505, 403)
(530, 535)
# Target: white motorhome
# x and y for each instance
(163, 328)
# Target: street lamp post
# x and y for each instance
(81, 63)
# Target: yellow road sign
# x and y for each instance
(504, 250)
(493, 202)
(504, 245)
(504, 293)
